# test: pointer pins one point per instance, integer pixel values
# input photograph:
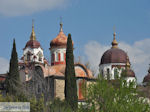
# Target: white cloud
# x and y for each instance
(25, 7)
(138, 52)
(4, 65)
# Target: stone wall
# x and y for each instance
(59, 88)
(59, 85)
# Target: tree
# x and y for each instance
(70, 79)
(104, 97)
(13, 80)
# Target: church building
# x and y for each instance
(41, 77)
(114, 62)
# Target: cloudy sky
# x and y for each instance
(90, 22)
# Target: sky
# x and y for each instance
(91, 23)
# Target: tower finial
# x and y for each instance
(61, 25)
(32, 37)
(32, 24)
(114, 42)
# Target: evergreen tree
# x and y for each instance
(12, 80)
(70, 79)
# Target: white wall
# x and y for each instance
(35, 52)
(103, 69)
(55, 51)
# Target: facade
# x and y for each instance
(48, 79)
(114, 62)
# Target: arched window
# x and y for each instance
(102, 72)
(108, 74)
(28, 57)
(40, 56)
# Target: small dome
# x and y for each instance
(114, 55)
(60, 40)
(32, 44)
(130, 73)
(147, 77)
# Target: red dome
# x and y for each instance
(32, 44)
(114, 55)
(59, 41)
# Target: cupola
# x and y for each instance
(114, 54)
(58, 48)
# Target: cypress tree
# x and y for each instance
(12, 79)
(70, 79)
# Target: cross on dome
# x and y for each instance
(61, 25)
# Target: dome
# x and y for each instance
(130, 73)
(32, 44)
(114, 55)
(60, 40)
(147, 77)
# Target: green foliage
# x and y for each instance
(37, 105)
(70, 79)
(12, 80)
(105, 97)
(59, 106)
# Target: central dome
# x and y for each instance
(114, 55)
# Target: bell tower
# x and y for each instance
(58, 48)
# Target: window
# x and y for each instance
(28, 57)
(102, 73)
(108, 74)
(39, 56)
